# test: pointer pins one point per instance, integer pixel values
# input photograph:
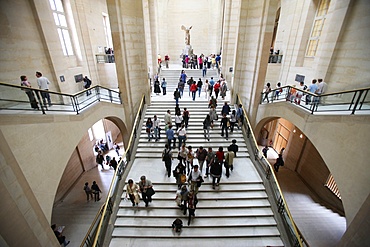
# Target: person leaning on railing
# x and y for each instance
(29, 92)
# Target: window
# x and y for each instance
(332, 186)
(107, 30)
(317, 28)
(62, 27)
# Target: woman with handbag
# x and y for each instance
(132, 190)
(179, 174)
(146, 189)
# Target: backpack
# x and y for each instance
(166, 155)
(88, 83)
(210, 87)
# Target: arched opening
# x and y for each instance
(306, 182)
(82, 167)
(302, 158)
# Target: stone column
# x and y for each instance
(230, 33)
(253, 48)
(128, 33)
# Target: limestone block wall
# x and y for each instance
(205, 35)
(342, 143)
(342, 55)
(349, 66)
(20, 210)
(22, 50)
(294, 28)
(89, 22)
(30, 43)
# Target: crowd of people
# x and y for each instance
(189, 176)
(194, 165)
(296, 93)
(202, 62)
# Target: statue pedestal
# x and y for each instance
(188, 50)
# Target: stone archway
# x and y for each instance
(302, 157)
(82, 158)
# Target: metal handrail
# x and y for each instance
(322, 102)
(67, 102)
(117, 175)
(254, 143)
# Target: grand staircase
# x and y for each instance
(237, 213)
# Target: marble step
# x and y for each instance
(195, 140)
(151, 211)
(243, 152)
(214, 134)
(210, 222)
(251, 241)
(197, 128)
(236, 203)
(159, 155)
(200, 104)
(229, 186)
(154, 232)
(217, 195)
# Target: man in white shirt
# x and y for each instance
(194, 177)
(321, 89)
(168, 118)
(181, 135)
(43, 83)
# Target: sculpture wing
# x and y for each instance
(190, 27)
(183, 27)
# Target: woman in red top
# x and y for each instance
(193, 89)
(220, 155)
(216, 88)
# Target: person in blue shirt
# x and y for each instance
(164, 86)
(212, 82)
(171, 136)
(239, 115)
(218, 60)
(312, 88)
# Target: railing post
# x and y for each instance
(261, 101)
(40, 101)
(110, 96)
(128, 156)
(280, 205)
(357, 101)
(76, 106)
(268, 172)
(97, 92)
(256, 151)
(362, 101)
